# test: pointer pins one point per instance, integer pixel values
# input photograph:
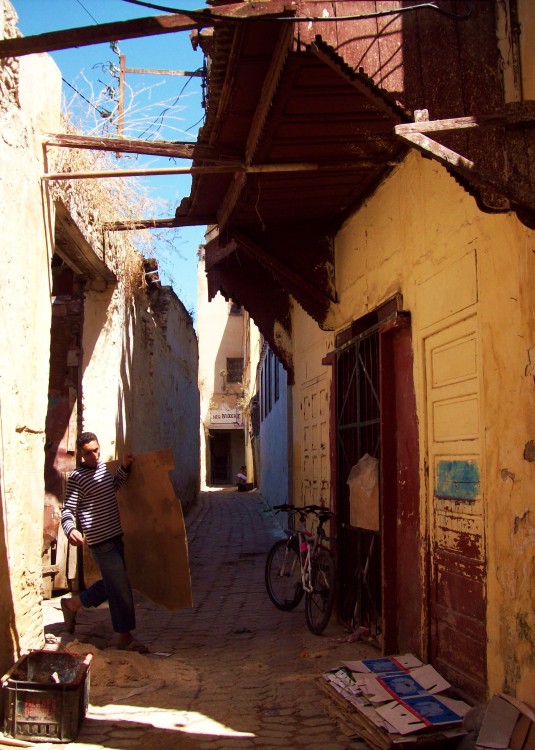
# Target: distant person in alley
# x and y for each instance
(90, 515)
(241, 476)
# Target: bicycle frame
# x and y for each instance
(302, 565)
(306, 540)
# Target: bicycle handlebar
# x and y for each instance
(307, 509)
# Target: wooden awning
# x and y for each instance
(278, 103)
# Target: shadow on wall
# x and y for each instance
(9, 640)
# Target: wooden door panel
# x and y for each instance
(457, 562)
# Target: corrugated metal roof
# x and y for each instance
(332, 124)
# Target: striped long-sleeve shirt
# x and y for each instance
(90, 498)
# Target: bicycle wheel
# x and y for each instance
(283, 575)
(319, 602)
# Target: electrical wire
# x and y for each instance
(166, 109)
(208, 15)
(102, 112)
(88, 13)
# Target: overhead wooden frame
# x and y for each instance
(84, 36)
(418, 134)
(279, 269)
(170, 149)
(268, 89)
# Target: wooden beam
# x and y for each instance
(269, 87)
(392, 111)
(156, 72)
(113, 173)
(279, 268)
(84, 36)
(524, 115)
(270, 84)
(213, 257)
(228, 204)
(512, 191)
(239, 170)
(171, 149)
(140, 27)
(171, 223)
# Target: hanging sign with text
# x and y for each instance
(226, 419)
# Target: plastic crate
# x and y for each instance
(46, 694)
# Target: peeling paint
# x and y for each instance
(530, 369)
(505, 474)
(529, 451)
(525, 633)
(519, 520)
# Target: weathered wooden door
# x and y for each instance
(456, 516)
(379, 568)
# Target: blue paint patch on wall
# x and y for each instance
(458, 480)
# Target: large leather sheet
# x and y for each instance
(155, 539)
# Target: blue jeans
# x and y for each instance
(114, 586)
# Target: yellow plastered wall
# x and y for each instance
(422, 235)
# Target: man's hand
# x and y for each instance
(126, 463)
(76, 538)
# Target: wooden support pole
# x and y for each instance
(214, 169)
(122, 82)
(514, 192)
(84, 36)
(524, 114)
(113, 173)
(171, 149)
(171, 223)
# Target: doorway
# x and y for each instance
(374, 413)
(219, 457)
(61, 426)
(358, 414)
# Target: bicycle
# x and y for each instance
(302, 565)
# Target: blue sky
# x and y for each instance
(149, 99)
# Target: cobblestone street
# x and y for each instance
(233, 672)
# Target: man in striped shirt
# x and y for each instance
(90, 516)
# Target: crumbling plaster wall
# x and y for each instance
(415, 225)
(29, 103)
(164, 382)
(139, 384)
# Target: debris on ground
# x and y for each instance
(507, 723)
(394, 700)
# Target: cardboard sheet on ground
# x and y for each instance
(156, 546)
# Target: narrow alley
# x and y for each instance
(233, 672)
